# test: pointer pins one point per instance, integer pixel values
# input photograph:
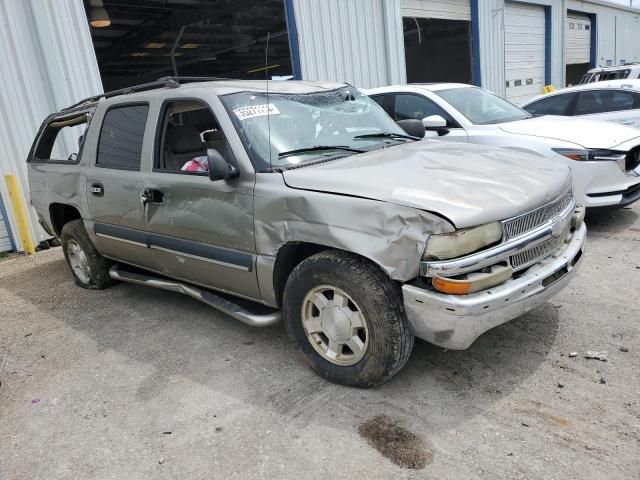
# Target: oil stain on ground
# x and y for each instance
(401, 446)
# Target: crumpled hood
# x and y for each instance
(586, 133)
(468, 184)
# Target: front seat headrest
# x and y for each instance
(213, 136)
(184, 139)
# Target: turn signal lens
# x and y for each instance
(474, 282)
(453, 287)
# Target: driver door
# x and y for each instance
(201, 230)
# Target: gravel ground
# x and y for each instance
(132, 382)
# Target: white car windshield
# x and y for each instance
(285, 130)
(481, 106)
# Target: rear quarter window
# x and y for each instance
(121, 136)
(61, 139)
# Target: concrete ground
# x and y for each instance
(131, 383)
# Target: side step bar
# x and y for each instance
(219, 303)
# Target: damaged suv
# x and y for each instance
(308, 200)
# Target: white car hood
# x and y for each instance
(586, 133)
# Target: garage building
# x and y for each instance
(54, 52)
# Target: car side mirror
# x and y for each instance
(434, 122)
(219, 169)
(412, 127)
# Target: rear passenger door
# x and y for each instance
(114, 183)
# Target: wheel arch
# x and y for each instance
(60, 214)
(291, 254)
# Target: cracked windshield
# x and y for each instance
(282, 131)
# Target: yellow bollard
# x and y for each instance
(20, 213)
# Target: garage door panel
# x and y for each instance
(577, 39)
(444, 9)
(524, 51)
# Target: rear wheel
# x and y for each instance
(348, 319)
(89, 268)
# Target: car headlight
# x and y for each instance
(461, 242)
(590, 154)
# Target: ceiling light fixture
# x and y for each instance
(98, 15)
(155, 45)
(190, 45)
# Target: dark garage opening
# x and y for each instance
(575, 72)
(221, 38)
(437, 50)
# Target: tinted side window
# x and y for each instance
(121, 137)
(379, 99)
(603, 101)
(417, 107)
(554, 105)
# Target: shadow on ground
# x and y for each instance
(177, 336)
(610, 221)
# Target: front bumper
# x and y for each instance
(455, 321)
(604, 184)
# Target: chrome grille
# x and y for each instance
(516, 226)
(533, 255)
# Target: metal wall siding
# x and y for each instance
(491, 32)
(345, 41)
(48, 62)
(617, 30)
(444, 9)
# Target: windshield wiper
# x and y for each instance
(385, 135)
(319, 148)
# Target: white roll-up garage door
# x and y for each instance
(445, 9)
(5, 240)
(578, 39)
(524, 33)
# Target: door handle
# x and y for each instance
(151, 195)
(97, 189)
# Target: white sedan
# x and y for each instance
(612, 101)
(604, 157)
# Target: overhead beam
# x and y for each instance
(159, 24)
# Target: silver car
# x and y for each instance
(305, 201)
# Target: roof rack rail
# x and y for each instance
(167, 82)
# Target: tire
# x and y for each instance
(75, 245)
(386, 340)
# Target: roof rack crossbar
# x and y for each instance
(168, 82)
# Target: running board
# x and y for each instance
(216, 301)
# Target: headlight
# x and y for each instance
(590, 155)
(461, 242)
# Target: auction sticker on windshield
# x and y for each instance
(253, 111)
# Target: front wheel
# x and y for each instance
(348, 319)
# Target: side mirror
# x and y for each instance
(219, 169)
(434, 122)
(412, 127)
